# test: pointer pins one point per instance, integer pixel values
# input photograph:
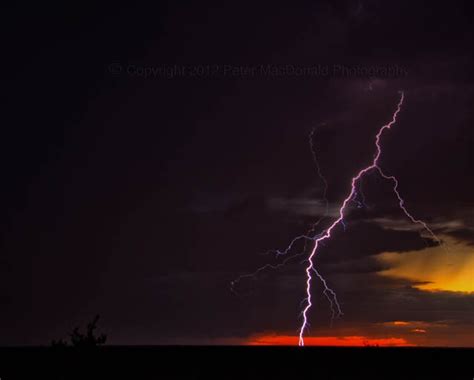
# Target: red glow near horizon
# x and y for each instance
(344, 341)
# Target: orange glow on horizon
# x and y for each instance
(344, 341)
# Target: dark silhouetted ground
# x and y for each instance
(215, 362)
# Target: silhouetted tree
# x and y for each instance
(80, 340)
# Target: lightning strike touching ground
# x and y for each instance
(318, 239)
(340, 220)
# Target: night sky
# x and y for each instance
(148, 161)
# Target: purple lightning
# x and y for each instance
(356, 190)
(340, 220)
(331, 296)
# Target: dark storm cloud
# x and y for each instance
(459, 223)
(304, 206)
(397, 300)
(356, 265)
(464, 235)
(143, 198)
(367, 239)
(456, 222)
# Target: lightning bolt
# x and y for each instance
(331, 296)
(374, 166)
(318, 239)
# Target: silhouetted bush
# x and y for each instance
(80, 340)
